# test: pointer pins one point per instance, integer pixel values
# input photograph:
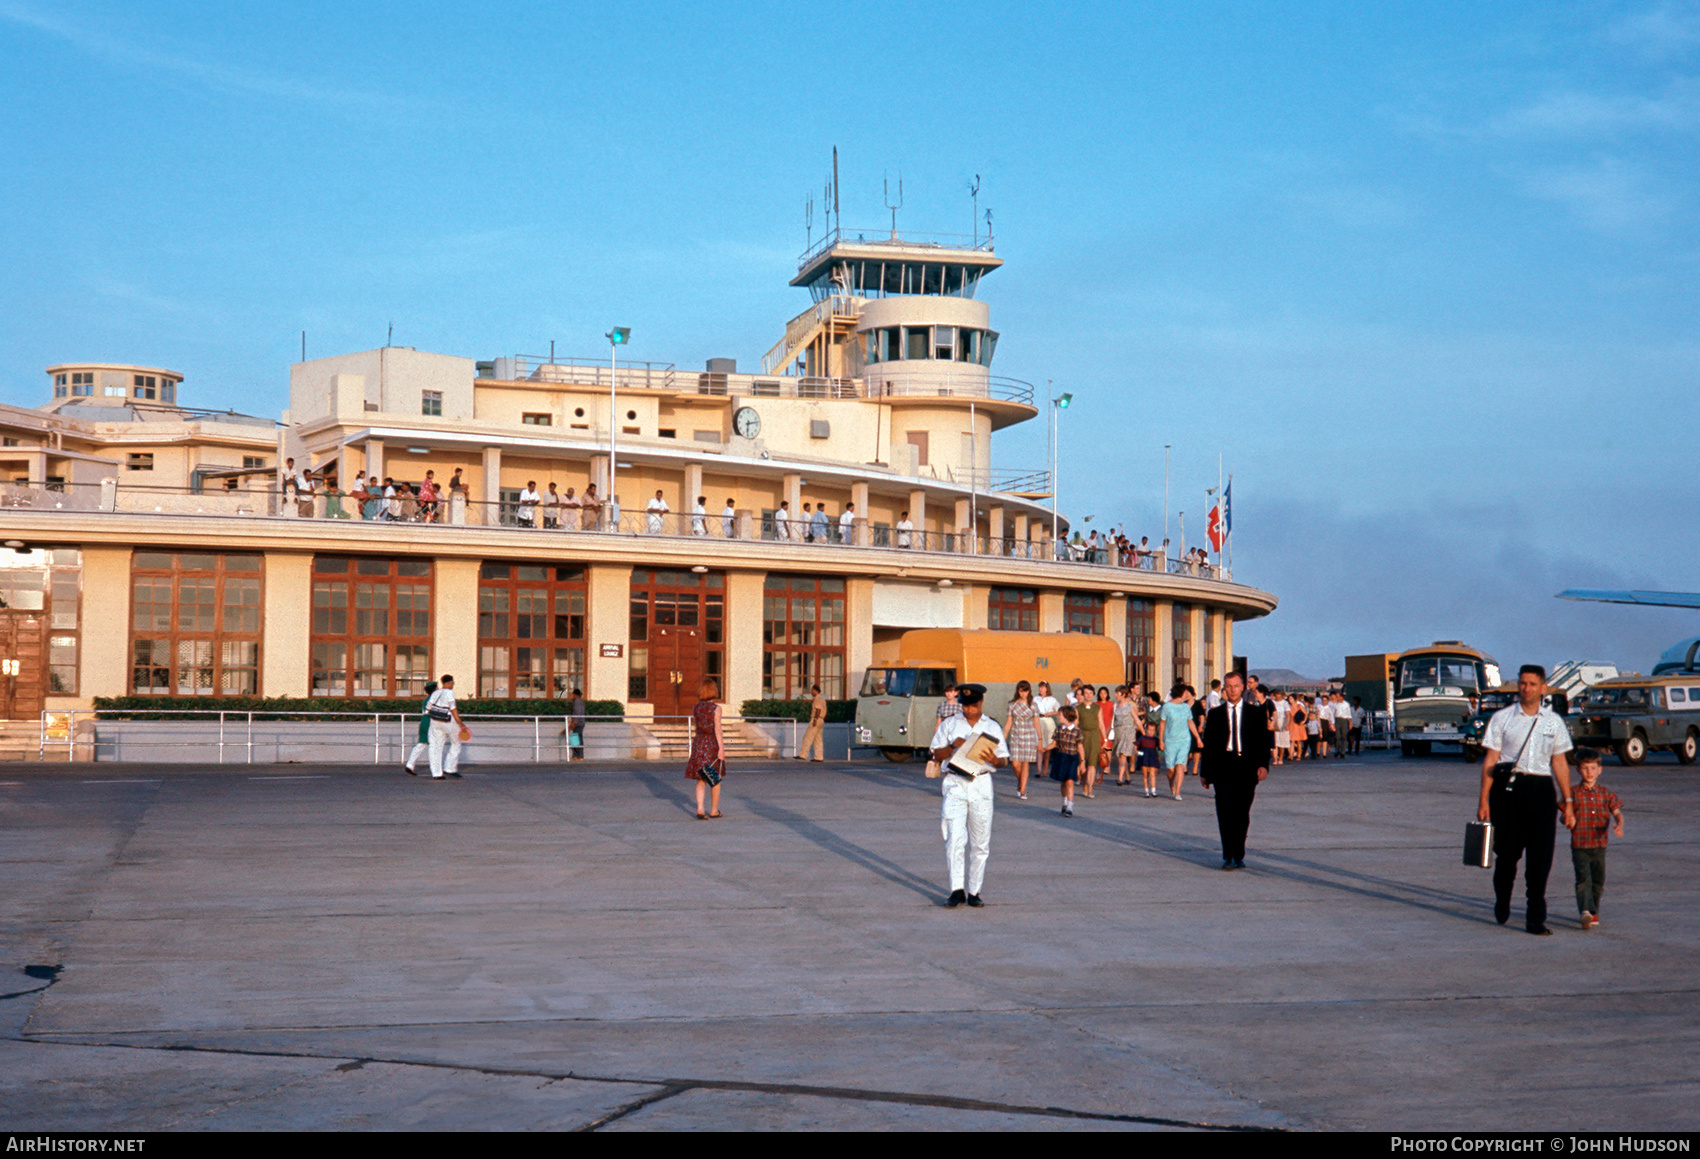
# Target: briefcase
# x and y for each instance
(1478, 844)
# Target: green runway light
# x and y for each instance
(620, 335)
(1063, 401)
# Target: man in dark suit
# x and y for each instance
(1238, 751)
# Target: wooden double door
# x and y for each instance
(23, 645)
(678, 633)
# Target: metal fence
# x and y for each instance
(353, 737)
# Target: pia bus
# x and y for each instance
(1433, 688)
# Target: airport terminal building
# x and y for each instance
(151, 548)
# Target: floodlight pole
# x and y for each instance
(615, 337)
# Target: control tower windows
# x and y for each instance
(944, 343)
(929, 343)
(915, 342)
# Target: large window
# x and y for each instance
(1013, 609)
(1084, 612)
(802, 636)
(195, 623)
(1142, 643)
(37, 582)
(371, 630)
(531, 630)
(1182, 635)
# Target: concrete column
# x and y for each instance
(964, 533)
(489, 512)
(375, 458)
(974, 610)
(608, 609)
(599, 475)
(693, 488)
(285, 657)
(743, 638)
(1200, 680)
(994, 528)
(454, 624)
(1163, 647)
(1115, 625)
(1052, 615)
(858, 630)
(864, 533)
(1022, 547)
(1228, 640)
(103, 662)
(38, 467)
(457, 508)
(794, 495)
(918, 516)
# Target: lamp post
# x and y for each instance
(617, 337)
(1059, 403)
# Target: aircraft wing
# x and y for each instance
(1647, 599)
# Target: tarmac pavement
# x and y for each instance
(303, 947)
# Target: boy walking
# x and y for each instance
(1595, 806)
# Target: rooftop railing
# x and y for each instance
(889, 237)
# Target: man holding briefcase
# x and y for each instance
(1520, 799)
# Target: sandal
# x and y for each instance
(702, 816)
(712, 816)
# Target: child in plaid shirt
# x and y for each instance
(1596, 805)
(1065, 762)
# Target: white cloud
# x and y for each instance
(1607, 194)
(1573, 113)
(1661, 31)
(204, 69)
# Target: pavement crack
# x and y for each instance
(635, 1105)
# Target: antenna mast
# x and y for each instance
(890, 206)
(974, 192)
(809, 223)
(837, 220)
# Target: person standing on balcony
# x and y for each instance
(591, 507)
(820, 527)
(904, 530)
(807, 523)
(782, 521)
(571, 506)
(699, 516)
(529, 500)
(847, 524)
(658, 511)
(729, 519)
(551, 505)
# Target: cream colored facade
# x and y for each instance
(877, 395)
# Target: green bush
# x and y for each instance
(293, 707)
(837, 711)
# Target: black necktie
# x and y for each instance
(1234, 728)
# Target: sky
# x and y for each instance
(1423, 276)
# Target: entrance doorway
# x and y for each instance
(23, 645)
(678, 636)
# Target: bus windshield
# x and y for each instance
(907, 681)
(1438, 672)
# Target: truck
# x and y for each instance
(1433, 693)
(898, 706)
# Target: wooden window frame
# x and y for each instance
(1083, 612)
(222, 641)
(1005, 603)
(501, 645)
(807, 657)
(1142, 665)
(358, 572)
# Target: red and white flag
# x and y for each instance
(1215, 530)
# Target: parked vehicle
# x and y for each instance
(1497, 698)
(898, 706)
(1433, 688)
(1633, 715)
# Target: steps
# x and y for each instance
(670, 740)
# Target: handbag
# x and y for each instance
(1502, 772)
(933, 771)
(713, 772)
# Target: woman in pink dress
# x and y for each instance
(428, 498)
(708, 750)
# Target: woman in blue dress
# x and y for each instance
(1175, 735)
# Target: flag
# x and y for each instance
(1214, 529)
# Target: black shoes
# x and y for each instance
(1228, 864)
(408, 771)
(1502, 912)
(1239, 863)
(957, 897)
(974, 900)
(1540, 931)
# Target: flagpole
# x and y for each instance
(1219, 494)
(1230, 517)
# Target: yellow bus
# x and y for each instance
(898, 705)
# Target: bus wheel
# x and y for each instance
(897, 756)
(1424, 748)
(1407, 749)
(1634, 750)
(1689, 750)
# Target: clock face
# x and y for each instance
(747, 422)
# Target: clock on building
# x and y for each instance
(747, 422)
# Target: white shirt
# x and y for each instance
(699, 524)
(657, 508)
(782, 524)
(1046, 705)
(443, 699)
(728, 518)
(528, 499)
(846, 526)
(1213, 699)
(952, 728)
(1283, 715)
(1511, 726)
(1342, 712)
(904, 527)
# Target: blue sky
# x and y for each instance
(1425, 277)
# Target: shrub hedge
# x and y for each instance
(293, 707)
(837, 711)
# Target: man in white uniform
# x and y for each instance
(967, 800)
(445, 730)
(782, 521)
(1523, 806)
(699, 516)
(529, 500)
(847, 524)
(905, 530)
(658, 510)
(728, 519)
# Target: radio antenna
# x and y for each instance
(974, 192)
(890, 206)
(837, 220)
(809, 222)
(988, 228)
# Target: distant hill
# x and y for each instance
(1286, 678)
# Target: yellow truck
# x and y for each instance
(898, 706)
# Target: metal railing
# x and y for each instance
(587, 372)
(259, 737)
(881, 382)
(454, 509)
(955, 241)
